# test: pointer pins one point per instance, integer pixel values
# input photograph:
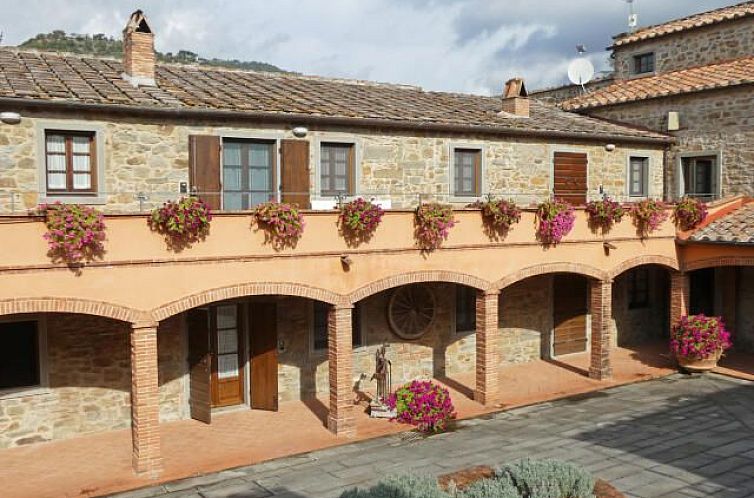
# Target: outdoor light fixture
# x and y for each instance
(346, 261)
(610, 147)
(300, 131)
(10, 117)
(608, 246)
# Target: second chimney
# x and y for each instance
(138, 51)
(515, 98)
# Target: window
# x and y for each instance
(638, 176)
(70, 162)
(638, 288)
(644, 63)
(700, 177)
(19, 355)
(467, 172)
(336, 166)
(320, 333)
(465, 309)
(248, 173)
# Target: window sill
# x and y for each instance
(454, 199)
(97, 199)
(24, 392)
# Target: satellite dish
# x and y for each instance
(580, 71)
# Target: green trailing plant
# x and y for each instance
(359, 219)
(688, 213)
(498, 215)
(604, 213)
(433, 224)
(283, 223)
(555, 220)
(648, 215)
(182, 222)
(75, 233)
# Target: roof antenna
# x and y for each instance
(1, 36)
(633, 18)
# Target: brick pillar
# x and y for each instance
(601, 310)
(488, 344)
(340, 420)
(679, 296)
(145, 402)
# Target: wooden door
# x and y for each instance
(264, 356)
(569, 314)
(227, 355)
(569, 177)
(204, 168)
(294, 172)
(200, 401)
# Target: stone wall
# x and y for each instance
(526, 319)
(89, 372)
(696, 47)
(712, 121)
(151, 157)
(631, 327)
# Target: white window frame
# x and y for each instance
(466, 199)
(648, 182)
(317, 155)
(41, 129)
(43, 386)
(456, 287)
(718, 177)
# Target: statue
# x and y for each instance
(382, 374)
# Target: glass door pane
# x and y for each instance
(248, 173)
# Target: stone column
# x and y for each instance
(488, 344)
(341, 418)
(145, 402)
(679, 296)
(601, 310)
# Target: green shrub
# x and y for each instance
(407, 486)
(549, 479)
(499, 487)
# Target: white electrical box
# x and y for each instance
(674, 121)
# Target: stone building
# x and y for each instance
(231, 323)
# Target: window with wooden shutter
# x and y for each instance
(638, 176)
(569, 182)
(336, 174)
(248, 173)
(204, 168)
(70, 160)
(467, 172)
(294, 172)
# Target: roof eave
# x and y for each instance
(194, 113)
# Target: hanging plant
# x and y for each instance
(555, 220)
(689, 213)
(74, 233)
(604, 213)
(433, 224)
(359, 219)
(498, 216)
(182, 222)
(648, 215)
(283, 223)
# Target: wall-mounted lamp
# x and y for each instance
(607, 246)
(346, 261)
(300, 131)
(10, 117)
(609, 147)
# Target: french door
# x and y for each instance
(249, 173)
(226, 338)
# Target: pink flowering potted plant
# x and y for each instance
(433, 223)
(698, 342)
(75, 233)
(423, 404)
(555, 220)
(688, 213)
(182, 222)
(283, 223)
(604, 213)
(498, 215)
(648, 216)
(359, 219)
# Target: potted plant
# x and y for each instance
(424, 404)
(648, 215)
(604, 213)
(433, 224)
(182, 222)
(555, 221)
(359, 219)
(698, 342)
(498, 215)
(688, 213)
(283, 223)
(74, 233)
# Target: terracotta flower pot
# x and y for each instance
(699, 365)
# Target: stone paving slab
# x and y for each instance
(676, 437)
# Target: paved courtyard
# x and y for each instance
(680, 436)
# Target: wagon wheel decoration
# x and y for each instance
(411, 311)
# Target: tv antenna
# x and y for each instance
(633, 19)
(1, 36)
(580, 70)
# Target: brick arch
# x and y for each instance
(71, 305)
(543, 269)
(718, 261)
(244, 290)
(665, 261)
(417, 277)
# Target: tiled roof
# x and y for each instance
(695, 79)
(736, 227)
(57, 78)
(693, 21)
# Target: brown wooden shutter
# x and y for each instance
(570, 177)
(204, 168)
(294, 172)
(200, 396)
(264, 356)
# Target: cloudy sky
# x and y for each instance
(452, 45)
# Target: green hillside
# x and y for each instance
(107, 46)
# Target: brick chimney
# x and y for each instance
(138, 51)
(515, 98)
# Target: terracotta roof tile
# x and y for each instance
(734, 228)
(695, 79)
(693, 21)
(74, 79)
